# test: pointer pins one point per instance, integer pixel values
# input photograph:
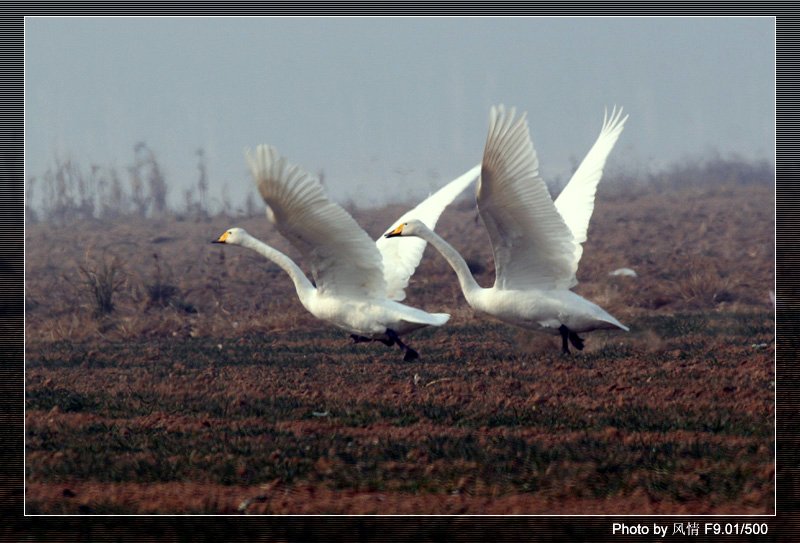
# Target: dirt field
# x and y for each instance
(208, 389)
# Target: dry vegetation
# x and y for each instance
(206, 388)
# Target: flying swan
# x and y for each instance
(358, 283)
(536, 242)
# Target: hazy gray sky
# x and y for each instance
(390, 108)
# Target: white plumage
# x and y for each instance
(536, 242)
(357, 282)
(401, 257)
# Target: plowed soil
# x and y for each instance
(209, 389)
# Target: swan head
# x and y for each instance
(410, 228)
(233, 236)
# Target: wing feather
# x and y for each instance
(576, 201)
(342, 257)
(531, 243)
(402, 255)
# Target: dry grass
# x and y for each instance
(102, 279)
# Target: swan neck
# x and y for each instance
(301, 283)
(468, 284)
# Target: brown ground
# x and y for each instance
(224, 396)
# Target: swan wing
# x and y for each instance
(402, 255)
(576, 201)
(342, 257)
(532, 245)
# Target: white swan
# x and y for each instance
(536, 242)
(358, 283)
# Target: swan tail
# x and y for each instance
(615, 323)
(427, 319)
(440, 318)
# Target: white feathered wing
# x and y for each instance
(576, 201)
(532, 245)
(401, 256)
(532, 248)
(343, 258)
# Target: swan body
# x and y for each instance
(358, 283)
(536, 242)
(369, 317)
(545, 309)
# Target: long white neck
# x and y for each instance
(302, 285)
(469, 286)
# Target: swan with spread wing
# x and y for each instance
(536, 241)
(358, 283)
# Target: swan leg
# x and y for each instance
(411, 354)
(572, 337)
(564, 335)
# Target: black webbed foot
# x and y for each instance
(410, 355)
(576, 341)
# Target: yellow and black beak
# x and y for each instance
(396, 232)
(222, 238)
